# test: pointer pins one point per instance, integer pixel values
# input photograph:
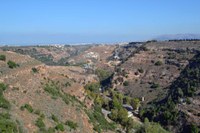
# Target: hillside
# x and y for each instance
(68, 55)
(135, 87)
(179, 110)
(50, 55)
(151, 69)
(30, 102)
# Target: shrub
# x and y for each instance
(93, 87)
(65, 98)
(116, 103)
(12, 64)
(71, 124)
(143, 48)
(127, 100)
(35, 70)
(193, 129)
(3, 87)
(154, 85)
(28, 107)
(6, 125)
(42, 116)
(51, 130)
(158, 63)
(119, 115)
(136, 73)
(60, 127)
(126, 83)
(3, 57)
(140, 70)
(54, 118)
(135, 103)
(37, 112)
(67, 84)
(3, 102)
(39, 123)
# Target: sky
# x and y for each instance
(95, 21)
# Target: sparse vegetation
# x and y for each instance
(99, 121)
(52, 89)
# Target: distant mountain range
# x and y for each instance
(178, 37)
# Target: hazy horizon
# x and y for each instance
(68, 22)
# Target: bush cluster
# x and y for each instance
(28, 107)
(12, 64)
(2, 57)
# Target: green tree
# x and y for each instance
(120, 97)
(135, 103)
(102, 74)
(93, 87)
(151, 127)
(129, 125)
(98, 100)
(116, 103)
(127, 100)
(122, 116)
(194, 129)
(114, 114)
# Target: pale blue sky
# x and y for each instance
(75, 21)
